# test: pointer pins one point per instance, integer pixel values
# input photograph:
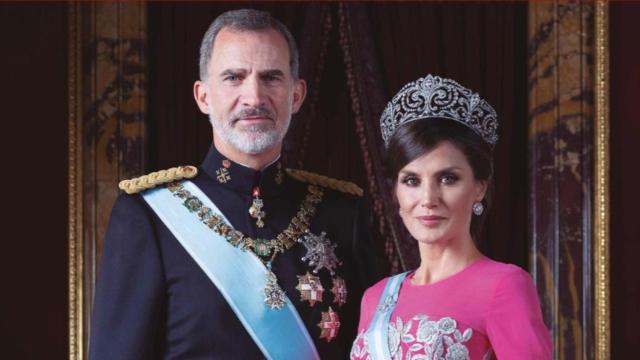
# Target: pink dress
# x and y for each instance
(489, 309)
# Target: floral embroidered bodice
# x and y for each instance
(421, 338)
(487, 307)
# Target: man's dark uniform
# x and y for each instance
(154, 302)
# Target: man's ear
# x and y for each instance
(299, 93)
(201, 95)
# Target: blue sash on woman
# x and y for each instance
(377, 335)
(239, 276)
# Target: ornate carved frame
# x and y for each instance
(106, 136)
(601, 185)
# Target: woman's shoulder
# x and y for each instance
(508, 282)
(375, 291)
(501, 272)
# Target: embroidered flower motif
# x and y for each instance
(388, 302)
(427, 331)
(447, 325)
(359, 352)
(394, 340)
(420, 357)
(428, 340)
(457, 352)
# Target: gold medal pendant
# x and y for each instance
(255, 210)
(274, 297)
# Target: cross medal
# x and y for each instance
(255, 210)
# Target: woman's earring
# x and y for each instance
(477, 208)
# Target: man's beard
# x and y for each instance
(251, 139)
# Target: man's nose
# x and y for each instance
(252, 94)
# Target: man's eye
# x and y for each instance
(448, 179)
(270, 78)
(232, 78)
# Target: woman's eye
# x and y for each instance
(448, 179)
(410, 181)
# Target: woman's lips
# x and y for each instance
(430, 220)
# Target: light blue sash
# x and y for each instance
(376, 337)
(239, 275)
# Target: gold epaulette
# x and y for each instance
(148, 181)
(324, 181)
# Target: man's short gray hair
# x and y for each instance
(246, 20)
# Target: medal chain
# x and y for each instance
(275, 297)
(261, 247)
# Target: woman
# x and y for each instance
(458, 304)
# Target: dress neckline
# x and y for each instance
(407, 281)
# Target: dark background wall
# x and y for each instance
(33, 260)
(33, 140)
(482, 46)
(625, 173)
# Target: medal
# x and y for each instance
(310, 288)
(273, 294)
(339, 291)
(320, 252)
(329, 325)
(256, 207)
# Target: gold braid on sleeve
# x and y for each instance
(325, 181)
(148, 181)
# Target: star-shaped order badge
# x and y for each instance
(339, 291)
(274, 297)
(310, 288)
(329, 325)
(320, 252)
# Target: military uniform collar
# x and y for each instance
(241, 178)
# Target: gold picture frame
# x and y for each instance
(601, 185)
(76, 259)
(106, 136)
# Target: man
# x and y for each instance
(246, 259)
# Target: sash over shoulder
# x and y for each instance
(220, 261)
